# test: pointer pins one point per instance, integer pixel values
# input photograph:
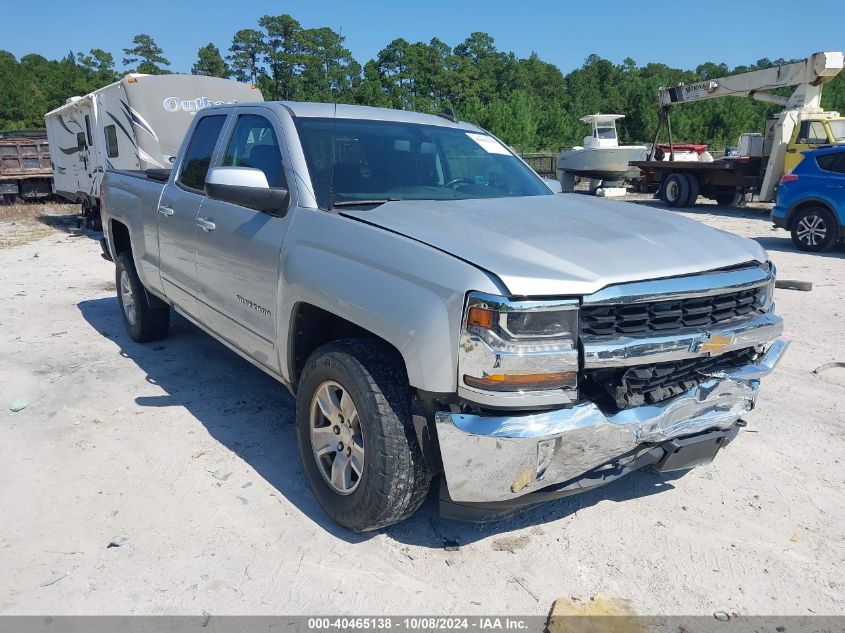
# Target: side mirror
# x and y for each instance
(246, 187)
(554, 185)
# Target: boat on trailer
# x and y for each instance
(601, 157)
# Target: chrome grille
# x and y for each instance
(606, 321)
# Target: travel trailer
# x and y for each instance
(136, 123)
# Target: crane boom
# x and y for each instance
(808, 75)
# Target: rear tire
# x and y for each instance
(676, 190)
(146, 318)
(356, 436)
(693, 190)
(815, 230)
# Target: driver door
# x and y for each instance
(239, 249)
(808, 135)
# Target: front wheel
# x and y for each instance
(356, 437)
(814, 230)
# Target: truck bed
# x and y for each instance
(159, 175)
(717, 178)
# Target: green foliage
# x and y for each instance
(526, 102)
(245, 58)
(147, 54)
(210, 63)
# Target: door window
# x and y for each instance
(198, 155)
(80, 141)
(812, 133)
(254, 144)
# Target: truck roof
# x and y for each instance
(345, 111)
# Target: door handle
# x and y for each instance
(791, 150)
(166, 211)
(206, 225)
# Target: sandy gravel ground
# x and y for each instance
(165, 479)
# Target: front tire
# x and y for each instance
(356, 437)
(145, 318)
(814, 230)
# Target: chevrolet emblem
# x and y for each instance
(716, 344)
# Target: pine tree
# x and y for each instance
(147, 54)
(210, 63)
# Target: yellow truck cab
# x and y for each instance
(825, 129)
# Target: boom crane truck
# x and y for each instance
(763, 159)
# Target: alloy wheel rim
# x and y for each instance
(127, 298)
(812, 230)
(337, 439)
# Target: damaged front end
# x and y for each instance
(667, 370)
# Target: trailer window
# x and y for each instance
(111, 141)
(88, 129)
(80, 141)
(198, 156)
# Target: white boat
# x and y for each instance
(602, 157)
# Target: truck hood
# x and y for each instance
(567, 244)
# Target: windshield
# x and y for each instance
(378, 161)
(605, 132)
(837, 128)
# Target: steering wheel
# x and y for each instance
(457, 181)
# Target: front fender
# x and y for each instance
(405, 292)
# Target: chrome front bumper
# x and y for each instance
(488, 458)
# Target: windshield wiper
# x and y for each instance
(355, 203)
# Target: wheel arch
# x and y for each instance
(119, 238)
(312, 326)
(806, 203)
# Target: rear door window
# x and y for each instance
(199, 152)
(832, 162)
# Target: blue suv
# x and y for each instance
(811, 200)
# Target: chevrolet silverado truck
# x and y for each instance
(438, 312)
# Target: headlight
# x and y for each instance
(767, 294)
(522, 349)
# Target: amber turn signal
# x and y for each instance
(523, 382)
(481, 317)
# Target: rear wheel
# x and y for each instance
(676, 190)
(356, 437)
(693, 190)
(815, 230)
(145, 318)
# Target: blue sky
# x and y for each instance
(682, 33)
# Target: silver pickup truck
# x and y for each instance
(438, 311)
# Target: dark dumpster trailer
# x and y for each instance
(26, 173)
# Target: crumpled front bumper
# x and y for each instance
(489, 459)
